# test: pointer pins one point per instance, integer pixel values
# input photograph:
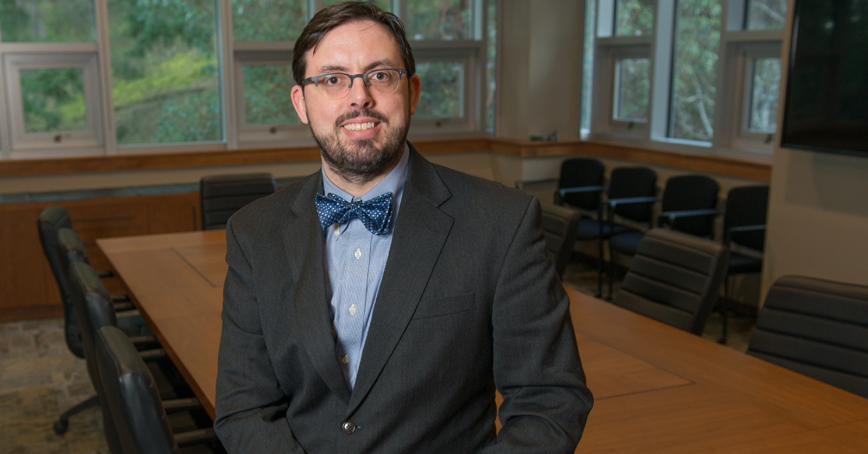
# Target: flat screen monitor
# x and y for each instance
(826, 101)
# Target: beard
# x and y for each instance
(360, 161)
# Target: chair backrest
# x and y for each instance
(579, 172)
(818, 328)
(131, 395)
(691, 192)
(674, 278)
(49, 222)
(746, 206)
(626, 182)
(71, 249)
(560, 226)
(220, 196)
(94, 309)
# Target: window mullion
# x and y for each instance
(105, 80)
(662, 63)
(226, 51)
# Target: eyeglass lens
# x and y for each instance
(384, 82)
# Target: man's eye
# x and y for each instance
(380, 76)
(333, 80)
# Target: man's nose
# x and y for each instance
(360, 95)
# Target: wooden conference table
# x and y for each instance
(657, 389)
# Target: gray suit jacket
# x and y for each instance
(468, 303)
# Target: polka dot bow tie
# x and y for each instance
(375, 214)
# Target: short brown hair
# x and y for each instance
(333, 16)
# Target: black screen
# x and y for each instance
(827, 89)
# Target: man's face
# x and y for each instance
(351, 147)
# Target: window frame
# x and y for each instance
(232, 56)
(731, 137)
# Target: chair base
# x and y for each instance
(62, 424)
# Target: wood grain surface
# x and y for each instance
(657, 389)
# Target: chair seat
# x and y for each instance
(589, 229)
(627, 242)
(744, 264)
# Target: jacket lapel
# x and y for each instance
(302, 237)
(421, 230)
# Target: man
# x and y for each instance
(377, 305)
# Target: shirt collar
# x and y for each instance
(394, 181)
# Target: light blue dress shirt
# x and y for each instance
(354, 263)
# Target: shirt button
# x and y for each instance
(348, 427)
(358, 253)
(345, 359)
(352, 309)
(337, 230)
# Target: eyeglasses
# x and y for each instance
(338, 85)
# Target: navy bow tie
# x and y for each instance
(375, 214)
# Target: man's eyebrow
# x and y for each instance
(385, 63)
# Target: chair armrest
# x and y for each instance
(179, 405)
(195, 437)
(120, 298)
(688, 213)
(140, 341)
(628, 200)
(727, 235)
(564, 191)
(125, 306)
(103, 274)
(520, 183)
(747, 228)
(157, 354)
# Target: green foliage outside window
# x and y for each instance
(634, 17)
(53, 100)
(441, 90)
(47, 21)
(268, 20)
(165, 71)
(267, 99)
(439, 19)
(695, 79)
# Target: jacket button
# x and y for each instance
(348, 427)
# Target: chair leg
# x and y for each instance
(599, 268)
(62, 423)
(611, 271)
(724, 312)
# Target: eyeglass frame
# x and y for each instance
(401, 72)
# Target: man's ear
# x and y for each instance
(415, 88)
(297, 95)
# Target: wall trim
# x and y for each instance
(524, 149)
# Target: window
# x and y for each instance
(96, 77)
(700, 75)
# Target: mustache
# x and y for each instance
(361, 113)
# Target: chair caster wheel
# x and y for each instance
(60, 427)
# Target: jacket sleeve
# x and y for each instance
(250, 408)
(537, 368)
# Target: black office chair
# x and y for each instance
(138, 414)
(580, 186)
(72, 250)
(53, 219)
(674, 278)
(559, 225)
(631, 196)
(220, 196)
(744, 226)
(817, 328)
(688, 205)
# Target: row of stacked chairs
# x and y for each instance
(812, 326)
(115, 342)
(617, 213)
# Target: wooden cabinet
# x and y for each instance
(27, 287)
